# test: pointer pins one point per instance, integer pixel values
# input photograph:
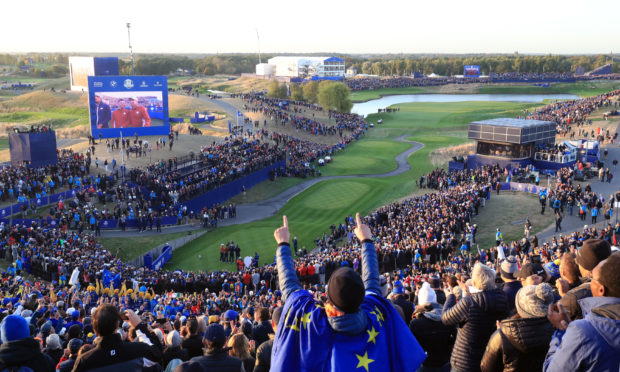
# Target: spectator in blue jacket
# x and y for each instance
(592, 343)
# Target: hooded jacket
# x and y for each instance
(434, 337)
(475, 316)
(519, 345)
(591, 344)
(25, 353)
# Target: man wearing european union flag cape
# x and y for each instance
(357, 330)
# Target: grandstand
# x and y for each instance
(602, 70)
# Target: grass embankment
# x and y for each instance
(508, 211)
(130, 248)
(311, 212)
(222, 83)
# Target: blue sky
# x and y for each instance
(387, 26)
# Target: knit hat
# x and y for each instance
(398, 287)
(14, 327)
(173, 339)
(426, 294)
(553, 269)
(346, 290)
(529, 269)
(46, 329)
(74, 345)
(533, 300)
(508, 268)
(52, 342)
(216, 334)
(592, 252)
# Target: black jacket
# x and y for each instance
(193, 345)
(213, 361)
(519, 345)
(510, 289)
(25, 353)
(66, 366)
(407, 306)
(263, 357)
(434, 337)
(114, 355)
(475, 315)
(174, 353)
(55, 354)
(261, 331)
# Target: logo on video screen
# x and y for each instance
(128, 84)
(113, 83)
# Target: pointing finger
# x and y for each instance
(358, 220)
(285, 221)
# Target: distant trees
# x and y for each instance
(332, 95)
(453, 65)
(277, 90)
(311, 91)
(335, 96)
(297, 92)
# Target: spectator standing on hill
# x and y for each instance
(521, 342)
(591, 253)
(435, 338)
(475, 315)
(18, 349)
(591, 343)
(356, 328)
(112, 353)
(216, 358)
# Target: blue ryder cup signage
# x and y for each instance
(131, 105)
(471, 71)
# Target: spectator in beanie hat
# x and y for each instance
(316, 337)
(521, 342)
(216, 358)
(18, 349)
(511, 286)
(587, 257)
(73, 347)
(591, 343)
(435, 338)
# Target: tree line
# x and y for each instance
(453, 65)
(234, 64)
(332, 95)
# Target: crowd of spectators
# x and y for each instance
(570, 115)
(377, 82)
(423, 246)
(19, 183)
(302, 116)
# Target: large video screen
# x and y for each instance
(471, 71)
(131, 105)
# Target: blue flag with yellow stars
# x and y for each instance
(305, 341)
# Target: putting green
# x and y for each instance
(335, 195)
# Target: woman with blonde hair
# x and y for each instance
(239, 347)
